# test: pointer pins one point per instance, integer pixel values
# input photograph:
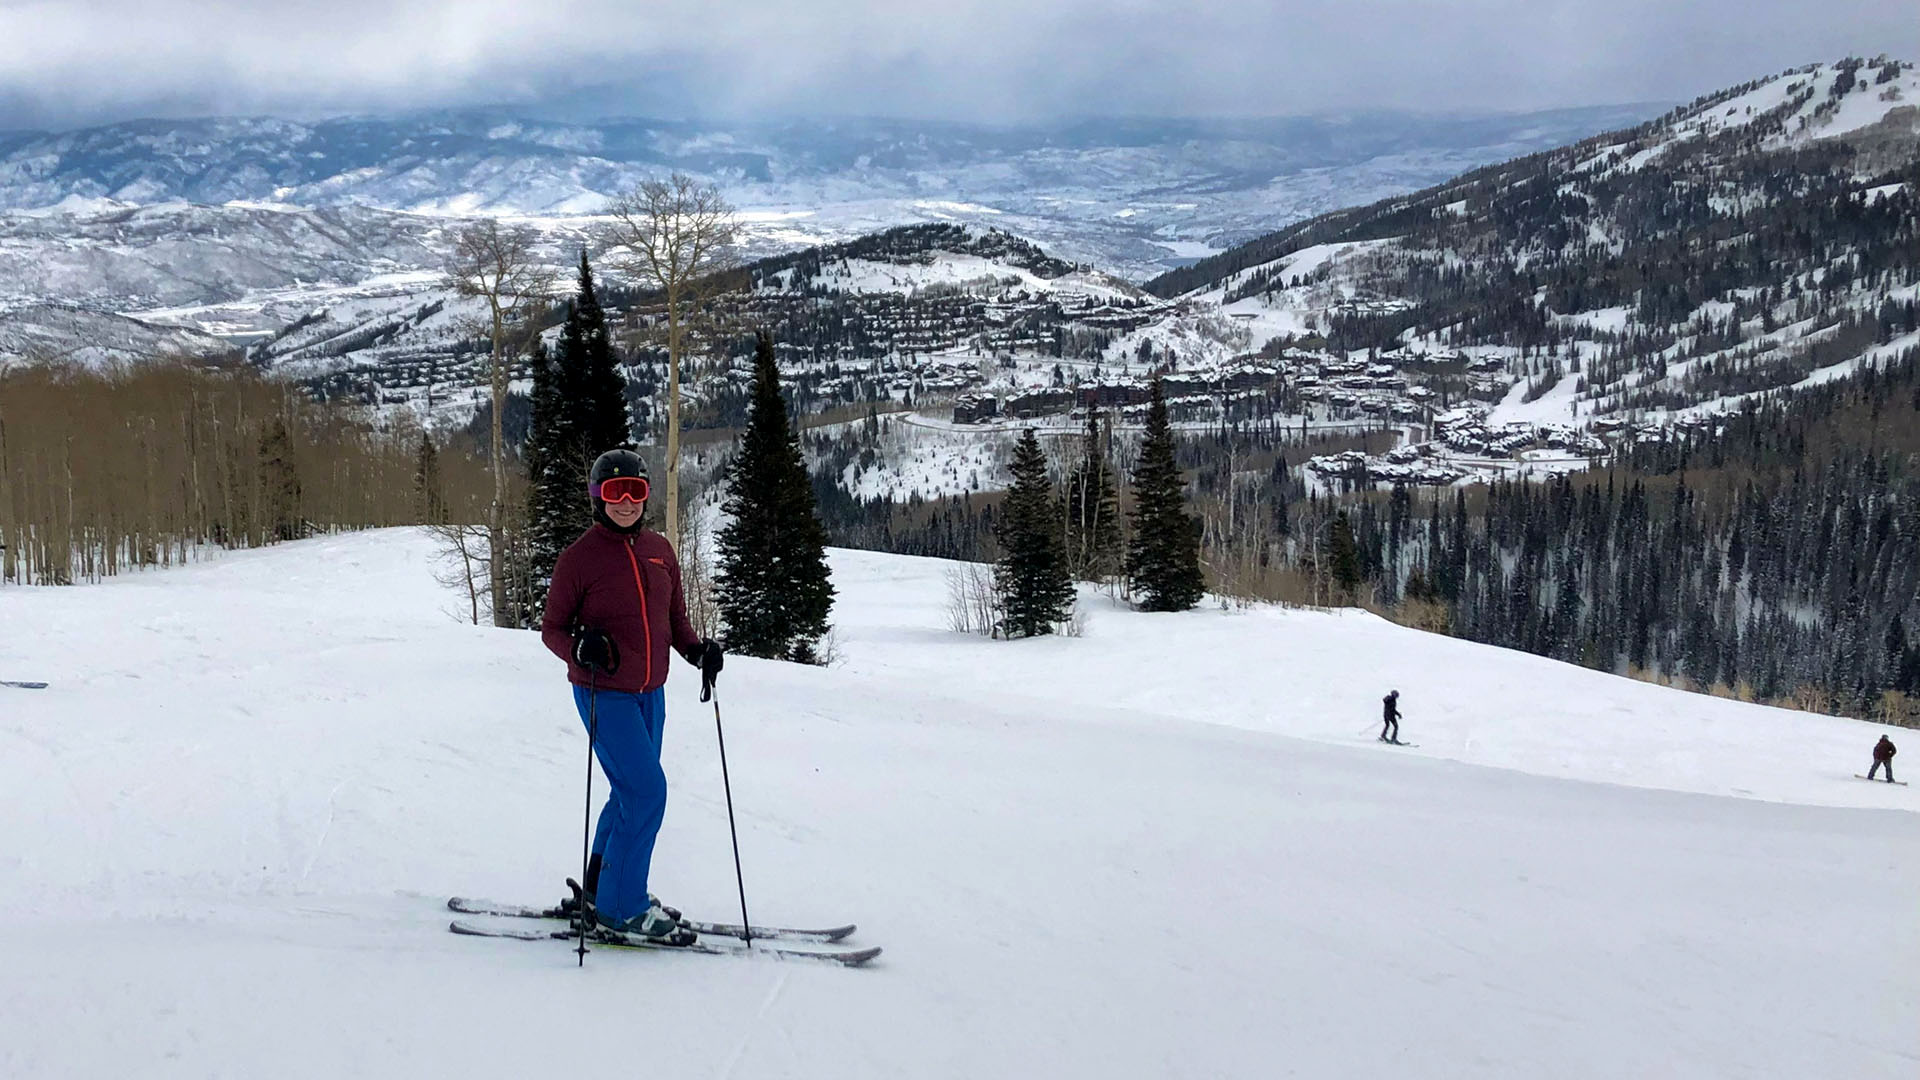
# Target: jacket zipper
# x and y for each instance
(646, 625)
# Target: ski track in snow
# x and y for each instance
(1167, 848)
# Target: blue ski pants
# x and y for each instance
(629, 730)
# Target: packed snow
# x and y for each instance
(1169, 847)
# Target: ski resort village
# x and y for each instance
(1159, 541)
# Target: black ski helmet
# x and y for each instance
(622, 461)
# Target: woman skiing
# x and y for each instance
(614, 608)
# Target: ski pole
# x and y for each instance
(746, 927)
(586, 816)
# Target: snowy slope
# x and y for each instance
(36, 333)
(1419, 282)
(1168, 848)
(1820, 101)
(1136, 188)
(127, 257)
(960, 271)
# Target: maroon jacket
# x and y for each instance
(1883, 750)
(629, 586)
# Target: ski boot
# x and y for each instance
(571, 906)
(655, 924)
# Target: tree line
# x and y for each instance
(1773, 557)
(1040, 537)
(146, 464)
(1776, 560)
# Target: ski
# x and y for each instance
(615, 940)
(1857, 776)
(18, 685)
(1396, 742)
(825, 935)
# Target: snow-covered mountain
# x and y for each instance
(908, 312)
(1758, 239)
(1193, 180)
(239, 200)
(176, 253)
(43, 332)
(1168, 847)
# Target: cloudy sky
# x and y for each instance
(66, 63)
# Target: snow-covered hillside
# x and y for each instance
(1167, 848)
(1757, 240)
(126, 257)
(1134, 194)
(66, 333)
(239, 226)
(1819, 101)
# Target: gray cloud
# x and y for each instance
(69, 63)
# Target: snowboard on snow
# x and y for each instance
(21, 685)
(1877, 780)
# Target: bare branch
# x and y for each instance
(668, 234)
(499, 264)
(675, 236)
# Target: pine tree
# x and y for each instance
(1343, 556)
(557, 507)
(1092, 529)
(430, 502)
(579, 411)
(594, 385)
(1032, 572)
(279, 483)
(1164, 559)
(772, 586)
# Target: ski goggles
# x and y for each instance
(621, 489)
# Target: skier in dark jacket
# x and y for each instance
(614, 608)
(1883, 752)
(1390, 717)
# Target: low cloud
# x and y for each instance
(76, 63)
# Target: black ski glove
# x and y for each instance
(595, 651)
(712, 659)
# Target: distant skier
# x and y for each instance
(1883, 752)
(613, 609)
(1390, 717)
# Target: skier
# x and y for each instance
(1883, 752)
(613, 609)
(1390, 725)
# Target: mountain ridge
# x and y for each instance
(1762, 236)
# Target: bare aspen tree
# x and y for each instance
(497, 263)
(170, 457)
(462, 563)
(675, 236)
(11, 535)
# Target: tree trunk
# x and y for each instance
(671, 525)
(496, 514)
(12, 538)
